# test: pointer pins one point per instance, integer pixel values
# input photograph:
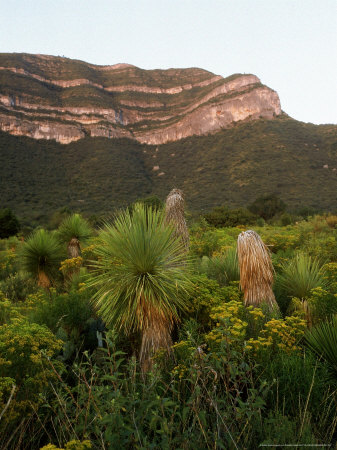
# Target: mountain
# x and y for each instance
(48, 97)
(154, 131)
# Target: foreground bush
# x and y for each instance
(27, 362)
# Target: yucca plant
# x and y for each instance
(256, 270)
(174, 215)
(322, 340)
(223, 268)
(74, 230)
(41, 256)
(299, 276)
(141, 278)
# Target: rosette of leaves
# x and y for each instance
(41, 256)
(141, 277)
(74, 230)
(322, 340)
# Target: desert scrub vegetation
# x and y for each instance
(150, 345)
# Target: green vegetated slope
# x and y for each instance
(91, 175)
(232, 167)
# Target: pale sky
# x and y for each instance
(291, 45)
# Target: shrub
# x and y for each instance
(9, 224)
(17, 286)
(25, 349)
(235, 324)
(69, 311)
(206, 294)
(222, 216)
(267, 206)
(204, 243)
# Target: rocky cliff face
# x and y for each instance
(46, 97)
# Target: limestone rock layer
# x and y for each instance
(47, 97)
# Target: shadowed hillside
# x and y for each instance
(233, 167)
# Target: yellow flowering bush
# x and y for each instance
(282, 241)
(283, 334)
(25, 349)
(230, 326)
(234, 324)
(71, 264)
(207, 294)
(10, 310)
(323, 303)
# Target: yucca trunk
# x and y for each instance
(156, 334)
(174, 214)
(43, 280)
(74, 248)
(74, 251)
(256, 270)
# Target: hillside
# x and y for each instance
(48, 97)
(297, 161)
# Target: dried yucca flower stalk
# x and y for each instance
(174, 214)
(256, 270)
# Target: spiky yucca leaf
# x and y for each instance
(256, 270)
(322, 339)
(41, 256)
(300, 275)
(74, 226)
(140, 276)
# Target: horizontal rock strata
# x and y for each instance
(47, 97)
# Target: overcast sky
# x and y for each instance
(291, 45)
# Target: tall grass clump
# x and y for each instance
(256, 270)
(140, 276)
(174, 215)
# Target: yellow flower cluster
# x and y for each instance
(183, 350)
(229, 326)
(255, 313)
(72, 263)
(282, 333)
(179, 371)
(87, 251)
(232, 321)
